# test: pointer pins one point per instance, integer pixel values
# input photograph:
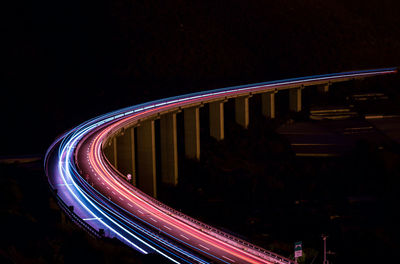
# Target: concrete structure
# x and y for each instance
(217, 120)
(324, 88)
(120, 148)
(169, 148)
(111, 152)
(242, 110)
(125, 153)
(295, 99)
(146, 148)
(268, 104)
(191, 120)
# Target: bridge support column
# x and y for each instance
(146, 157)
(110, 152)
(217, 120)
(126, 153)
(268, 104)
(169, 149)
(242, 111)
(295, 99)
(323, 88)
(191, 120)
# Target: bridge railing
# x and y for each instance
(73, 216)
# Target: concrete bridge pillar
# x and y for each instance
(268, 104)
(191, 120)
(169, 149)
(242, 111)
(146, 156)
(324, 88)
(217, 120)
(126, 153)
(295, 99)
(110, 151)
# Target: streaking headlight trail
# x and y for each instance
(97, 198)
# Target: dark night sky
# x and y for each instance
(63, 62)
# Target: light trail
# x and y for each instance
(65, 172)
(100, 209)
(149, 209)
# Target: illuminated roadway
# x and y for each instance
(99, 198)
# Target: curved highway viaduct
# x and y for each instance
(88, 167)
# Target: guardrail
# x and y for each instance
(74, 217)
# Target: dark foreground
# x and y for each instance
(35, 230)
